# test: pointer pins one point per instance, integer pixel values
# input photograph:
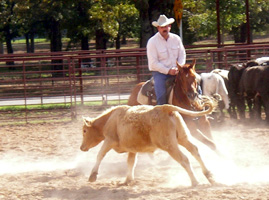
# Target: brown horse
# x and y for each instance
(185, 95)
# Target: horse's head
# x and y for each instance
(186, 83)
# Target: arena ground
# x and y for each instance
(43, 161)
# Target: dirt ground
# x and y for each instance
(44, 162)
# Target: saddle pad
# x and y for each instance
(141, 98)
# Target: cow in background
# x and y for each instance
(236, 94)
(234, 77)
(213, 85)
(224, 74)
(263, 61)
(253, 86)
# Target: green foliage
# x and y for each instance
(113, 17)
(202, 19)
(117, 18)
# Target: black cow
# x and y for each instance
(253, 85)
(237, 100)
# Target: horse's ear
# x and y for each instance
(193, 64)
(179, 66)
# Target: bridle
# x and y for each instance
(177, 82)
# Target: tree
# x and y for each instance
(80, 30)
(201, 18)
(149, 10)
(30, 19)
(8, 23)
(126, 16)
(113, 19)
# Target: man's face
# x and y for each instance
(164, 30)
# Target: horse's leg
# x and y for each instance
(131, 161)
(203, 134)
(205, 127)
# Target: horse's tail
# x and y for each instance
(209, 104)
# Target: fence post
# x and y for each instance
(138, 69)
(25, 91)
(80, 80)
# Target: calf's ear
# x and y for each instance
(87, 121)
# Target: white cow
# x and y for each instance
(262, 60)
(213, 83)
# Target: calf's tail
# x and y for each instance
(170, 108)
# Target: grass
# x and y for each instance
(37, 40)
(58, 106)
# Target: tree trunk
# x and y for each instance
(8, 39)
(1, 48)
(100, 39)
(150, 10)
(146, 31)
(28, 50)
(56, 45)
(123, 41)
(85, 46)
(85, 43)
(118, 42)
(100, 42)
(55, 36)
(240, 34)
(32, 42)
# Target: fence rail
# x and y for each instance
(29, 83)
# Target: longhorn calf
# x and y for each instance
(143, 128)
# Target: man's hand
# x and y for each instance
(173, 71)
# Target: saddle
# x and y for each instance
(147, 94)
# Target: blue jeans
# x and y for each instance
(159, 86)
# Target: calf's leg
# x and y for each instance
(131, 161)
(101, 154)
(194, 151)
(184, 161)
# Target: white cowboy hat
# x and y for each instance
(163, 21)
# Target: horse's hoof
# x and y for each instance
(93, 177)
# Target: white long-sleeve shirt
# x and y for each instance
(162, 54)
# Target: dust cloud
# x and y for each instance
(244, 159)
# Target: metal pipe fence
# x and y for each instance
(53, 86)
